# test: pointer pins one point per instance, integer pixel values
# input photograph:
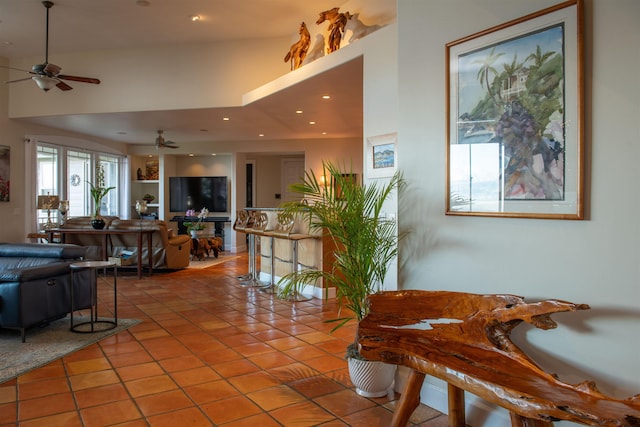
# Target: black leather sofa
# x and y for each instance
(34, 283)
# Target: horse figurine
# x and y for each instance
(336, 27)
(299, 49)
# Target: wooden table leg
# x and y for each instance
(149, 253)
(456, 406)
(139, 241)
(105, 255)
(409, 400)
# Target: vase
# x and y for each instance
(194, 234)
(372, 379)
(97, 223)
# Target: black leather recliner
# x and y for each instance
(34, 283)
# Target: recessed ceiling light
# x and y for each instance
(324, 133)
(191, 154)
(204, 130)
(226, 119)
(326, 97)
(213, 154)
(312, 123)
(261, 134)
(298, 111)
(151, 156)
(194, 18)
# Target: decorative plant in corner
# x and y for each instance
(365, 241)
(98, 191)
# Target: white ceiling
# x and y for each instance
(82, 25)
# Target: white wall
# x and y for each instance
(595, 261)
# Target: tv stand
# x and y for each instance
(218, 224)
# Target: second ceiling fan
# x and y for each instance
(162, 143)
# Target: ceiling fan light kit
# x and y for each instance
(45, 83)
(48, 75)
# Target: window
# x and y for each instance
(78, 174)
(48, 181)
(66, 172)
(110, 166)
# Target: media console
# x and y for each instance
(218, 223)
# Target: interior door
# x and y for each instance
(292, 173)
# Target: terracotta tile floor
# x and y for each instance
(207, 352)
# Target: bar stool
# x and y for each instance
(255, 231)
(271, 288)
(283, 230)
(297, 294)
(240, 224)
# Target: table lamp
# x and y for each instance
(63, 208)
(48, 202)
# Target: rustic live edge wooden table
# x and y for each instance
(105, 233)
(463, 339)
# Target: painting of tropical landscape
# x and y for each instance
(510, 142)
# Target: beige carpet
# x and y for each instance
(209, 262)
(45, 344)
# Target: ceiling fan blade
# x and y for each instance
(63, 86)
(79, 79)
(17, 69)
(51, 69)
(166, 144)
(18, 80)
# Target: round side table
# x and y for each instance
(94, 324)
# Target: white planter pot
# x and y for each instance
(372, 379)
(195, 234)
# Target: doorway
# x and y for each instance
(292, 173)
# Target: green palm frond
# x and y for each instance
(365, 242)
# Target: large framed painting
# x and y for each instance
(515, 118)
(5, 172)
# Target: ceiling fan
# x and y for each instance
(48, 75)
(162, 143)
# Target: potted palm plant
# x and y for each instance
(365, 241)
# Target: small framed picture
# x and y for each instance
(382, 155)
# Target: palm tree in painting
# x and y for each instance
(539, 58)
(486, 69)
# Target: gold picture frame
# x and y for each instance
(515, 118)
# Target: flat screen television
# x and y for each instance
(197, 192)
